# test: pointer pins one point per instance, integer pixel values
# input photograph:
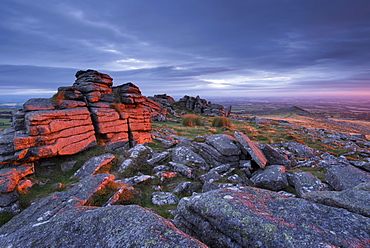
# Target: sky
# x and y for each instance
(211, 48)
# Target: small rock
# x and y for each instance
(68, 166)
(163, 198)
(187, 187)
(225, 144)
(183, 169)
(235, 178)
(125, 165)
(210, 177)
(137, 179)
(57, 186)
(158, 158)
(185, 154)
(207, 186)
(161, 168)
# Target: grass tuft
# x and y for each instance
(191, 120)
(221, 122)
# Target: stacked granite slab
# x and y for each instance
(75, 119)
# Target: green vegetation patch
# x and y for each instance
(316, 171)
(5, 217)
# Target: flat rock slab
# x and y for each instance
(342, 177)
(185, 154)
(225, 144)
(93, 165)
(249, 147)
(356, 201)
(251, 217)
(113, 226)
(37, 104)
(47, 207)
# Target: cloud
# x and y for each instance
(210, 47)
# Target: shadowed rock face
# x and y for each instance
(251, 217)
(62, 220)
(76, 118)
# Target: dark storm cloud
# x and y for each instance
(211, 47)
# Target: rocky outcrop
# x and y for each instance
(199, 105)
(251, 217)
(76, 118)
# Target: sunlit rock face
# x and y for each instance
(76, 118)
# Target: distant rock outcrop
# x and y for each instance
(76, 118)
(199, 105)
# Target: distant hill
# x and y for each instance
(291, 110)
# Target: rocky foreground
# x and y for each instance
(222, 191)
(231, 211)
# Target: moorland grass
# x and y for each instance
(221, 122)
(191, 120)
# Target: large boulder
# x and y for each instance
(305, 182)
(113, 226)
(345, 176)
(251, 217)
(272, 177)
